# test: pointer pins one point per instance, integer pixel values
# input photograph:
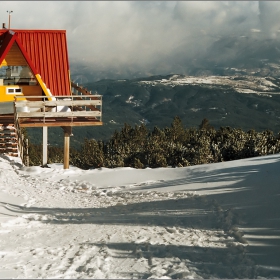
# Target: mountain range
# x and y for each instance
(234, 82)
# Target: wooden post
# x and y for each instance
(67, 134)
(66, 150)
(45, 147)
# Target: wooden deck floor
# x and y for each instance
(56, 122)
(6, 120)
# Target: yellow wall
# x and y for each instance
(4, 63)
(26, 91)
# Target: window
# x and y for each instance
(17, 75)
(15, 91)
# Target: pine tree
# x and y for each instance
(177, 132)
(205, 125)
(91, 156)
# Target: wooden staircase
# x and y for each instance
(8, 138)
(12, 141)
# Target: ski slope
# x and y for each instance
(209, 221)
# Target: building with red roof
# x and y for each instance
(34, 61)
(35, 85)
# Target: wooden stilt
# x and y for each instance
(67, 133)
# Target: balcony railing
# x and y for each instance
(66, 109)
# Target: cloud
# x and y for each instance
(269, 17)
(143, 35)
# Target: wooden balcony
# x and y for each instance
(63, 111)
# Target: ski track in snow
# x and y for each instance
(74, 229)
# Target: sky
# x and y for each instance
(144, 35)
(208, 221)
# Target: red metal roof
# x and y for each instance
(46, 51)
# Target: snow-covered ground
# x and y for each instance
(209, 221)
(248, 84)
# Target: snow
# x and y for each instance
(248, 84)
(133, 101)
(208, 221)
